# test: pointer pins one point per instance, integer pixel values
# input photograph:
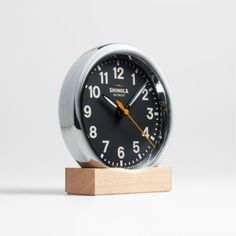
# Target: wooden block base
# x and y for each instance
(101, 181)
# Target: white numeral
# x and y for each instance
(104, 77)
(106, 142)
(87, 111)
(93, 131)
(145, 94)
(133, 77)
(118, 72)
(136, 147)
(146, 132)
(150, 114)
(121, 152)
(94, 91)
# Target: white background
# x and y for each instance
(192, 43)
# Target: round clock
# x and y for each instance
(115, 109)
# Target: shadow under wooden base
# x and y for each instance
(101, 181)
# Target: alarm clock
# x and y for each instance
(115, 109)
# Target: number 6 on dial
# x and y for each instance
(121, 152)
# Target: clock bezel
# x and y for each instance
(72, 90)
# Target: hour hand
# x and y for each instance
(135, 97)
(109, 101)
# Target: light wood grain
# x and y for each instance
(101, 181)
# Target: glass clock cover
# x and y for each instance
(115, 109)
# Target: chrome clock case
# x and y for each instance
(70, 100)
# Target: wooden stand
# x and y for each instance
(100, 181)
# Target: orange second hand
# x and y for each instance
(134, 122)
(126, 113)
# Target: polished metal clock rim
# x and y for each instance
(72, 127)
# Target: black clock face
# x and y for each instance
(121, 112)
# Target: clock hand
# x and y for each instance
(135, 97)
(109, 101)
(126, 113)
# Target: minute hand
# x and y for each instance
(135, 97)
